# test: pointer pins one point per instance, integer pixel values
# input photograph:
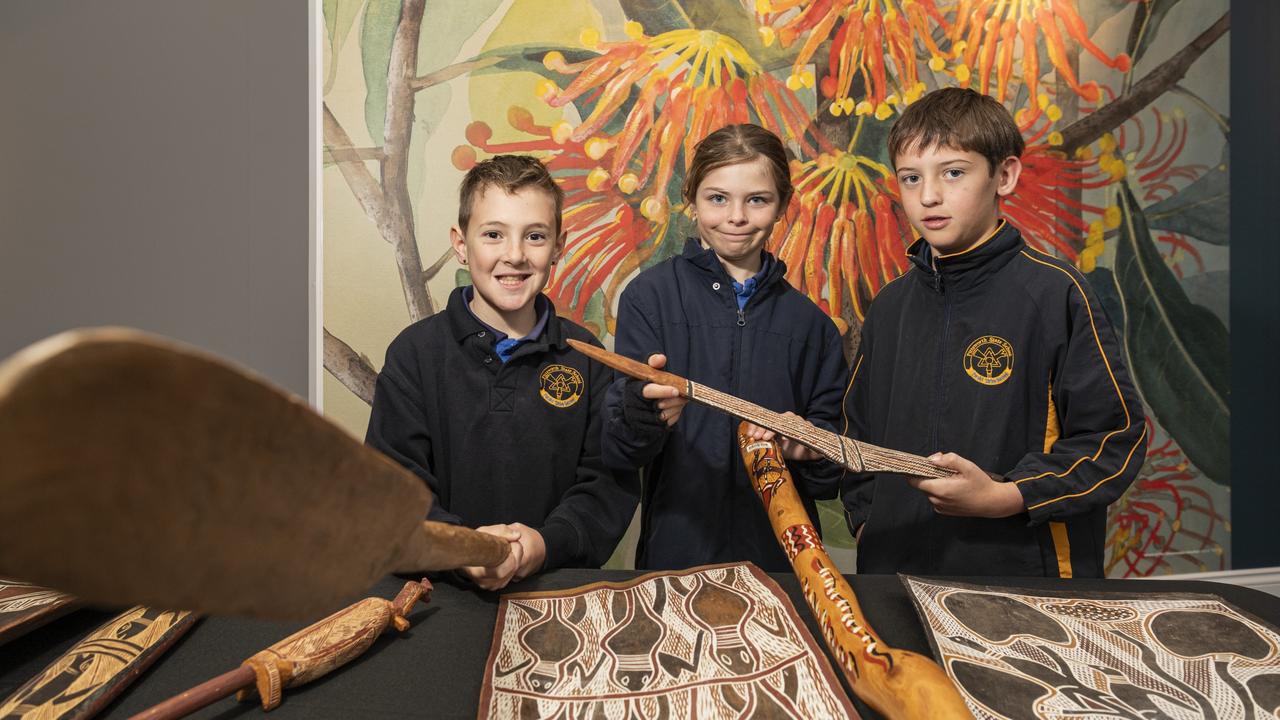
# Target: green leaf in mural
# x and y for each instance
(376, 33)
(445, 27)
(1201, 209)
(657, 16)
(1102, 282)
(1147, 17)
(528, 58)
(339, 16)
(1096, 12)
(1178, 351)
(835, 531)
(732, 19)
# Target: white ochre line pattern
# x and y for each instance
(1128, 417)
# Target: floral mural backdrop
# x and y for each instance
(1123, 104)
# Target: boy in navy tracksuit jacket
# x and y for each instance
(995, 352)
(489, 405)
(721, 314)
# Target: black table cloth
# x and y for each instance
(435, 670)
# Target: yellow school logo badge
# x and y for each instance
(989, 360)
(561, 385)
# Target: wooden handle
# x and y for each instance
(441, 546)
(897, 683)
(200, 696)
(638, 370)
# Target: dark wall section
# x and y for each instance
(1255, 284)
(153, 173)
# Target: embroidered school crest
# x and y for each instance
(989, 360)
(561, 385)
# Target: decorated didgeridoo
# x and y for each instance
(302, 657)
(899, 684)
(851, 454)
(140, 471)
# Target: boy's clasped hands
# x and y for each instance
(528, 553)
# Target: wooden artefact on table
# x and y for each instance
(87, 677)
(302, 657)
(25, 607)
(898, 683)
(851, 454)
(141, 471)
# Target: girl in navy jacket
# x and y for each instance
(721, 314)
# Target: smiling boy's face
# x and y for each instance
(509, 246)
(951, 197)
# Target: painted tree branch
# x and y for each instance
(1156, 83)
(362, 183)
(438, 265)
(352, 369)
(446, 74)
(350, 154)
(397, 132)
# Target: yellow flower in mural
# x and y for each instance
(689, 82)
(843, 231)
(986, 31)
(862, 33)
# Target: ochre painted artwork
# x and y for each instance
(1039, 655)
(1122, 103)
(711, 642)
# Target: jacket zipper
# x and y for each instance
(942, 353)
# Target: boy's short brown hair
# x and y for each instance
(511, 173)
(958, 118)
(733, 144)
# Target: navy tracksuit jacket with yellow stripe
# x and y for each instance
(1003, 355)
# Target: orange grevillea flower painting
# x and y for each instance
(1122, 104)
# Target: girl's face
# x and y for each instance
(736, 207)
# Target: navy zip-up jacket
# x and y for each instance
(1003, 355)
(505, 442)
(779, 351)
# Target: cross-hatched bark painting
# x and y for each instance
(713, 642)
(1056, 655)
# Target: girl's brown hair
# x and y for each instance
(735, 144)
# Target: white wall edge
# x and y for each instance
(315, 194)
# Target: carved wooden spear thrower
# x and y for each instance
(308, 654)
(140, 471)
(851, 454)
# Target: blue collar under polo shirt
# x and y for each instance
(504, 346)
(745, 290)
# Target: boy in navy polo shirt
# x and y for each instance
(489, 405)
(996, 353)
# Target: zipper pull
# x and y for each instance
(742, 318)
(937, 281)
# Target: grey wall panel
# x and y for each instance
(1255, 284)
(153, 173)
